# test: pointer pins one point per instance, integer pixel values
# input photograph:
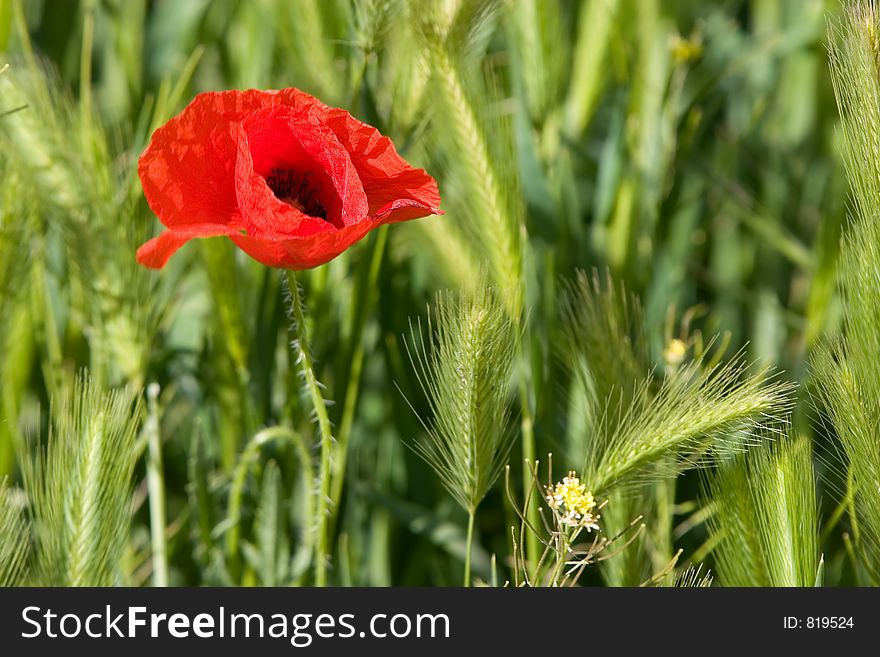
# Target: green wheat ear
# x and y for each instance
(604, 343)
(13, 537)
(766, 519)
(693, 577)
(465, 378)
(847, 370)
(79, 485)
(640, 429)
(473, 141)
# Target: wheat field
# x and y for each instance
(641, 346)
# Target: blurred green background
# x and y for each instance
(688, 148)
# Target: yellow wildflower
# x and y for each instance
(674, 352)
(685, 50)
(573, 503)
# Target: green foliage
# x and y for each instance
(275, 517)
(83, 199)
(17, 218)
(482, 186)
(687, 149)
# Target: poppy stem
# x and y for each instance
(313, 387)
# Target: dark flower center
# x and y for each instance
(299, 189)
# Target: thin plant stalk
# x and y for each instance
(249, 456)
(533, 543)
(468, 546)
(563, 545)
(85, 70)
(156, 489)
(354, 378)
(313, 388)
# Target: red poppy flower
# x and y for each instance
(290, 180)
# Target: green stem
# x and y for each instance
(357, 78)
(248, 414)
(367, 295)
(52, 354)
(239, 479)
(562, 547)
(851, 505)
(156, 489)
(24, 34)
(468, 547)
(533, 545)
(304, 358)
(85, 65)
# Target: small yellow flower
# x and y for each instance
(685, 50)
(573, 503)
(674, 352)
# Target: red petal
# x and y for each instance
(280, 139)
(190, 179)
(156, 252)
(188, 169)
(306, 252)
(396, 191)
